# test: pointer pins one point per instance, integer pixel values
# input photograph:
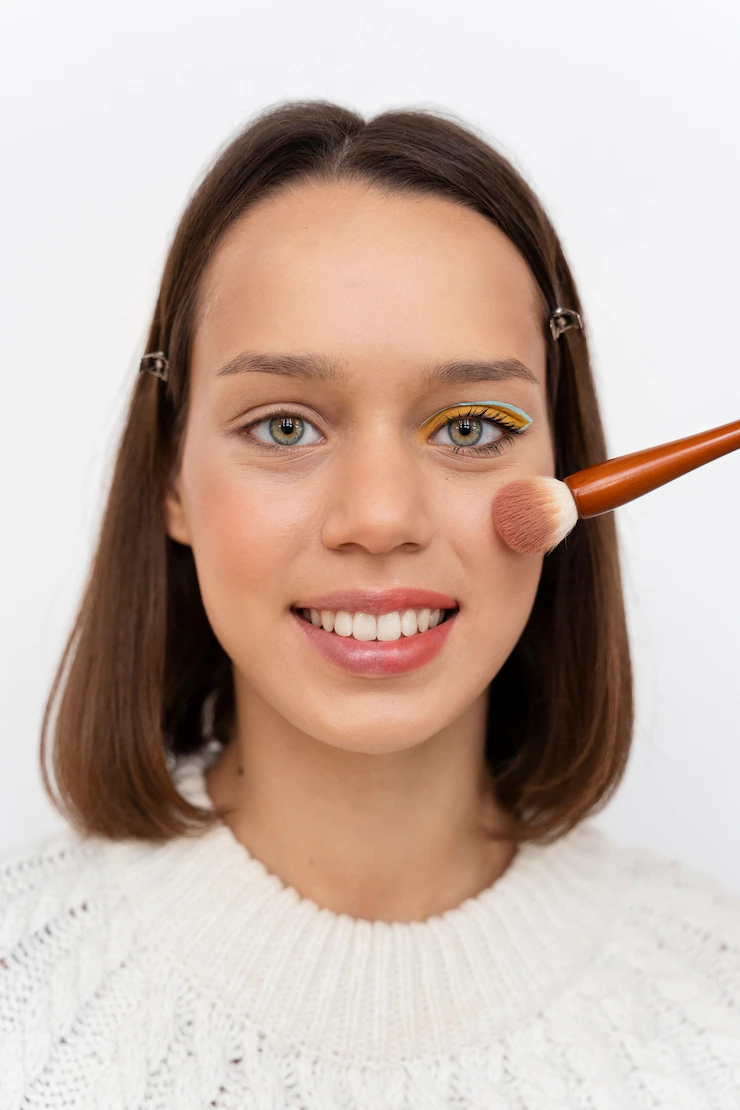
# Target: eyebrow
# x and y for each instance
(319, 368)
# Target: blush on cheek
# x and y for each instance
(246, 533)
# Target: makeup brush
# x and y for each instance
(533, 515)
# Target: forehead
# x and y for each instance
(360, 275)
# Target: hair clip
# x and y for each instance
(562, 319)
(155, 362)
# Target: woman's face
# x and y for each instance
(362, 315)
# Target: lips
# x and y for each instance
(376, 658)
(377, 602)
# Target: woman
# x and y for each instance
(327, 748)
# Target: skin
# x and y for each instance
(368, 795)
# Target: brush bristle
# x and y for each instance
(533, 515)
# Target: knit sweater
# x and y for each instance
(179, 975)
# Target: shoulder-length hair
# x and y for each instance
(141, 659)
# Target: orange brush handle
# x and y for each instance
(601, 488)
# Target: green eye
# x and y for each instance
(282, 429)
(466, 431)
(286, 429)
(462, 419)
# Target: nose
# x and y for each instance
(377, 496)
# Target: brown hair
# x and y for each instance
(141, 658)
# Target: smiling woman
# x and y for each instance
(328, 746)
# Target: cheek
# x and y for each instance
(246, 533)
(500, 584)
(509, 587)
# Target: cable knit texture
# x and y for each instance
(590, 976)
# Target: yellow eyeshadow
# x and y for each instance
(506, 416)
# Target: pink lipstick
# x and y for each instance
(371, 658)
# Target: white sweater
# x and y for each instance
(590, 976)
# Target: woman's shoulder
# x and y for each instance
(54, 889)
(664, 887)
(677, 923)
(66, 934)
(50, 867)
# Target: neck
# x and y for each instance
(384, 836)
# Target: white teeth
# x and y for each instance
(364, 627)
(389, 626)
(343, 623)
(409, 622)
(386, 627)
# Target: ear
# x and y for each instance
(176, 521)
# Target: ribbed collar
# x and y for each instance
(361, 991)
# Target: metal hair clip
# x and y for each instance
(155, 362)
(562, 319)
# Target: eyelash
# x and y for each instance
(495, 447)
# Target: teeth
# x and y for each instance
(363, 626)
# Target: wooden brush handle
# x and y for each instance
(601, 488)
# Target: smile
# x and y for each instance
(385, 628)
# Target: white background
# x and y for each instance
(625, 120)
